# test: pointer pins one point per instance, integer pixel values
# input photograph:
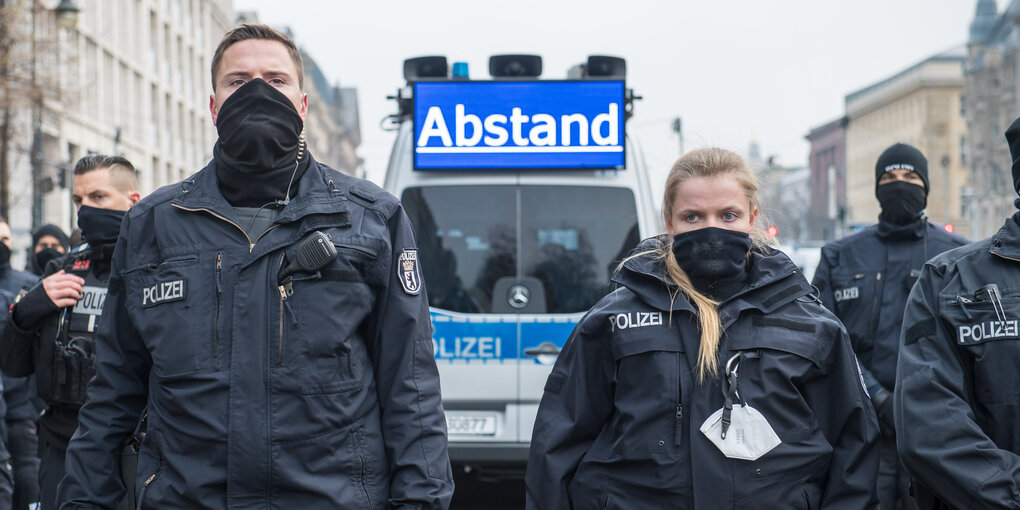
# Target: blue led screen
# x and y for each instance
(518, 124)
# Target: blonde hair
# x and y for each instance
(704, 162)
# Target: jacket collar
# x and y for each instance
(774, 281)
(1006, 242)
(912, 230)
(317, 194)
(319, 203)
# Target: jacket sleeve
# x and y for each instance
(116, 396)
(822, 280)
(576, 404)
(17, 342)
(848, 422)
(940, 443)
(407, 379)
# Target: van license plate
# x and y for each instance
(471, 424)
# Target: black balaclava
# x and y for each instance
(1013, 139)
(902, 202)
(5, 255)
(37, 262)
(99, 226)
(259, 140)
(713, 258)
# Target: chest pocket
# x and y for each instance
(854, 295)
(650, 379)
(987, 333)
(975, 319)
(173, 305)
(777, 334)
(320, 315)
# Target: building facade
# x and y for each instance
(992, 103)
(827, 162)
(922, 106)
(132, 77)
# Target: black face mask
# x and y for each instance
(44, 257)
(711, 253)
(902, 202)
(259, 138)
(5, 254)
(99, 226)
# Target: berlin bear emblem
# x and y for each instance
(408, 272)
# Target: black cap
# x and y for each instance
(902, 156)
(50, 229)
(1013, 139)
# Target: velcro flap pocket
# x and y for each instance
(781, 334)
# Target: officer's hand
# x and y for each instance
(63, 289)
(883, 402)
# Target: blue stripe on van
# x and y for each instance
(492, 338)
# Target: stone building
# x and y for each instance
(130, 78)
(827, 197)
(921, 106)
(992, 103)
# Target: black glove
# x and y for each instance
(883, 402)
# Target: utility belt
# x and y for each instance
(68, 359)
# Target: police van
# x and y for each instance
(524, 194)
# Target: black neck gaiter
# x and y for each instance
(99, 226)
(259, 143)
(715, 259)
(902, 202)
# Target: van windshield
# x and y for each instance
(568, 237)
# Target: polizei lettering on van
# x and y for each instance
(970, 334)
(634, 320)
(520, 124)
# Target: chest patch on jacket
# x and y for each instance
(92, 299)
(408, 272)
(970, 334)
(847, 294)
(164, 292)
(632, 320)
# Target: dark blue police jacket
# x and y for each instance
(957, 396)
(618, 426)
(864, 279)
(321, 395)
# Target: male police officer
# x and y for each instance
(19, 392)
(958, 382)
(50, 331)
(276, 374)
(865, 278)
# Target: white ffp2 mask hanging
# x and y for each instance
(749, 436)
(738, 430)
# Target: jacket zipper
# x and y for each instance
(354, 248)
(219, 296)
(678, 427)
(251, 245)
(874, 304)
(148, 481)
(363, 486)
(1004, 257)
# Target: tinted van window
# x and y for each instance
(467, 239)
(572, 238)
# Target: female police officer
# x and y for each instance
(710, 378)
